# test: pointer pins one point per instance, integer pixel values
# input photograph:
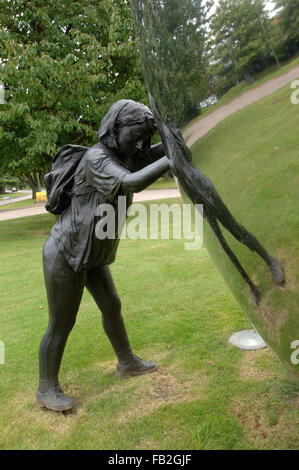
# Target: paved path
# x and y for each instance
(204, 125)
(17, 213)
(147, 195)
(195, 132)
(152, 194)
(15, 199)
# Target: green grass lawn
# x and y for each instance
(268, 74)
(18, 205)
(164, 184)
(206, 394)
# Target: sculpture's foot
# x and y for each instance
(256, 294)
(276, 271)
(54, 399)
(135, 367)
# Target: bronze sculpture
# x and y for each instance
(122, 162)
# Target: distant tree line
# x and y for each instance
(244, 39)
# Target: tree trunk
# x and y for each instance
(248, 77)
(34, 191)
(33, 183)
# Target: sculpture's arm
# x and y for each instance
(139, 180)
(153, 154)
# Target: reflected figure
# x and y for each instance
(200, 190)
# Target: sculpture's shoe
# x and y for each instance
(256, 294)
(276, 271)
(136, 367)
(54, 399)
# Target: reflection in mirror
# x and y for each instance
(194, 51)
(191, 49)
(171, 33)
(172, 39)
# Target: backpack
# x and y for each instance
(59, 181)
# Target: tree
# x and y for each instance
(172, 38)
(238, 43)
(7, 181)
(288, 13)
(62, 64)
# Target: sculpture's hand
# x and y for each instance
(183, 153)
(175, 147)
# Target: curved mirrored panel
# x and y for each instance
(172, 39)
(196, 53)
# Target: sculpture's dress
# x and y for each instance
(97, 181)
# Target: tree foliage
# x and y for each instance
(63, 64)
(288, 11)
(238, 46)
(172, 37)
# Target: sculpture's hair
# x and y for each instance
(123, 113)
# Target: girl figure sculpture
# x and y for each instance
(121, 163)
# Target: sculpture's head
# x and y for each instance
(128, 128)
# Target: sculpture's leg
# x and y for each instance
(253, 288)
(100, 284)
(243, 236)
(64, 292)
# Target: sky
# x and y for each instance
(269, 4)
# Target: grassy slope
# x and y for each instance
(206, 394)
(252, 158)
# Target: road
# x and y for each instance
(16, 199)
(147, 195)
